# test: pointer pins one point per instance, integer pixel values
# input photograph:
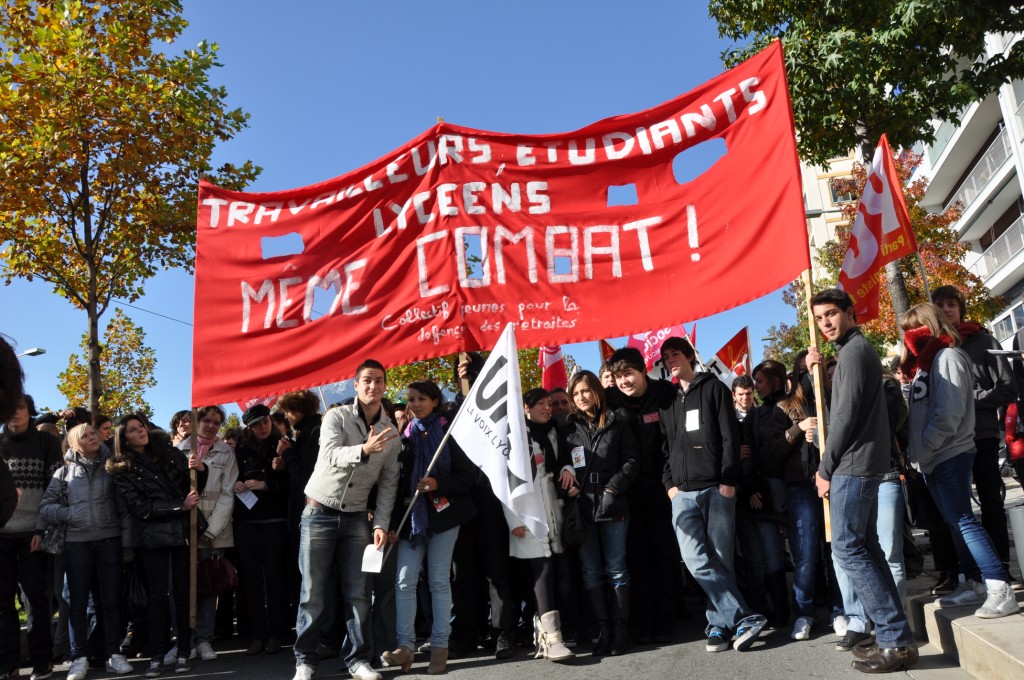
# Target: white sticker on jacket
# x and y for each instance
(578, 458)
(692, 420)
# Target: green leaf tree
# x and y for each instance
(103, 140)
(857, 70)
(126, 367)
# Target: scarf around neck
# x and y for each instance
(923, 346)
(424, 437)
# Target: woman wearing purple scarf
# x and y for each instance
(442, 506)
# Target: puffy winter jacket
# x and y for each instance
(94, 510)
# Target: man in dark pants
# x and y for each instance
(855, 459)
(32, 457)
(994, 389)
(652, 552)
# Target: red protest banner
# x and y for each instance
(881, 233)
(389, 245)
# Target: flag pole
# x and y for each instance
(924, 276)
(193, 539)
(818, 373)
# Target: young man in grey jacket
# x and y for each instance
(855, 459)
(359, 448)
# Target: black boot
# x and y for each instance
(600, 606)
(779, 592)
(620, 621)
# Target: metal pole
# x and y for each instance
(924, 276)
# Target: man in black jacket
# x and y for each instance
(855, 459)
(701, 448)
(651, 552)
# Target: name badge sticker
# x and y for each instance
(652, 418)
(578, 458)
(692, 420)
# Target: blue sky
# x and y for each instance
(331, 86)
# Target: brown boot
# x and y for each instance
(401, 658)
(551, 638)
(438, 661)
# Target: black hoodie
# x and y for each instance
(702, 436)
(644, 417)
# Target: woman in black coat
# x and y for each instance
(605, 456)
(152, 479)
(261, 531)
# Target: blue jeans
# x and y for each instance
(94, 565)
(889, 529)
(805, 515)
(855, 547)
(438, 553)
(326, 537)
(950, 485)
(603, 553)
(705, 522)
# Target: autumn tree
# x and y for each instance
(232, 421)
(103, 140)
(940, 249)
(126, 370)
(857, 70)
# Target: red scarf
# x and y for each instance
(968, 329)
(923, 347)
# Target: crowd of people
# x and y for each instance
(646, 484)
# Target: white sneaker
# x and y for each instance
(968, 593)
(802, 628)
(79, 668)
(171, 657)
(363, 671)
(118, 665)
(839, 624)
(1001, 601)
(304, 672)
(205, 651)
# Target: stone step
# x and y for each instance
(985, 649)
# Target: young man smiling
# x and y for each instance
(702, 455)
(650, 547)
(359, 447)
(855, 459)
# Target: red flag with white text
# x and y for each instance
(606, 350)
(434, 247)
(552, 367)
(881, 234)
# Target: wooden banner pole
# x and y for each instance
(193, 539)
(818, 374)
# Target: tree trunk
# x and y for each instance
(92, 301)
(893, 276)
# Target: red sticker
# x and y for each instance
(652, 417)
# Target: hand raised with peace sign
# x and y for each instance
(376, 442)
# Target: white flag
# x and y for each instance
(491, 428)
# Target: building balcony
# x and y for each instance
(988, 166)
(1002, 258)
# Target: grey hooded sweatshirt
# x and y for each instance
(941, 410)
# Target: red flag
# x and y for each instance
(735, 355)
(881, 233)
(606, 350)
(552, 367)
(649, 343)
(693, 334)
(434, 247)
(269, 402)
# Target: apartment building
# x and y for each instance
(823, 204)
(979, 161)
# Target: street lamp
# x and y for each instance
(32, 352)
